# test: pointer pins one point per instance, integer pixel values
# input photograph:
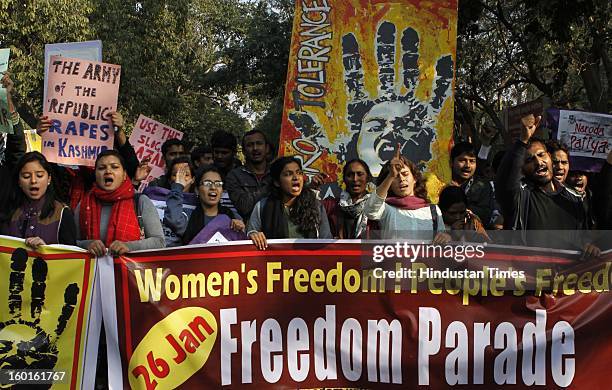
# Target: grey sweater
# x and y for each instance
(154, 236)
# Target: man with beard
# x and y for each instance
(480, 197)
(532, 199)
(249, 183)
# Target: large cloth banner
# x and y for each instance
(312, 314)
(80, 97)
(147, 138)
(46, 320)
(365, 75)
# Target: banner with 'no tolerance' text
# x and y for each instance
(365, 75)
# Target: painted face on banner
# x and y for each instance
(389, 88)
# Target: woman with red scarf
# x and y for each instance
(110, 217)
(400, 203)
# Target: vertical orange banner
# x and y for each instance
(365, 75)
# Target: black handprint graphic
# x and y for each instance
(39, 349)
(379, 123)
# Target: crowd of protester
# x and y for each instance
(529, 187)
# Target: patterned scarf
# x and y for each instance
(355, 210)
(123, 222)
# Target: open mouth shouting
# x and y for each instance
(108, 181)
(213, 195)
(34, 192)
(296, 187)
(559, 174)
(542, 171)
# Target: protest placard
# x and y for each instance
(6, 126)
(147, 138)
(88, 50)
(82, 94)
(586, 134)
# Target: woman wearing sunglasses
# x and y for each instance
(210, 217)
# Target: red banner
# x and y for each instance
(310, 314)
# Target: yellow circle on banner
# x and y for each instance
(174, 349)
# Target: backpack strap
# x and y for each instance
(139, 214)
(434, 218)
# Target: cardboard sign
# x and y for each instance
(6, 126)
(81, 96)
(586, 134)
(147, 138)
(89, 50)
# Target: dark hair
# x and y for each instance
(110, 152)
(223, 139)
(420, 191)
(200, 151)
(363, 164)
(305, 211)
(253, 132)
(196, 220)
(497, 159)
(451, 195)
(553, 146)
(181, 160)
(169, 143)
(461, 148)
(536, 140)
(20, 198)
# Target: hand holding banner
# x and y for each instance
(81, 96)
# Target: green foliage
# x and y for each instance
(26, 26)
(194, 64)
(165, 49)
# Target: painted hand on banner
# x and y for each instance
(380, 122)
(39, 349)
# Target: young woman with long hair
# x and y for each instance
(110, 217)
(291, 211)
(36, 214)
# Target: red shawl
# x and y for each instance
(123, 222)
